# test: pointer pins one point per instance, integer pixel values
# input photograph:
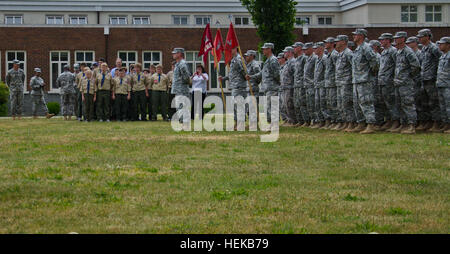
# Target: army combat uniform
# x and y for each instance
(386, 75)
(320, 102)
(15, 81)
(345, 86)
(180, 85)
(299, 92)
(104, 85)
(287, 84)
(308, 84)
(443, 85)
(122, 91)
(66, 83)
(37, 95)
(237, 83)
(330, 87)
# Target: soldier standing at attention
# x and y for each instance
(406, 68)
(66, 83)
(319, 86)
(88, 94)
(364, 69)
(252, 69)
(37, 94)
(380, 109)
(298, 83)
(15, 79)
(431, 55)
(287, 81)
(170, 96)
(159, 83)
(330, 85)
(121, 93)
(282, 61)
(443, 83)
(181, 81)
(344, 83)
(104, 86)
(308, 80)
(140, 83)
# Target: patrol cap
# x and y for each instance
(298, 44)
(318, 45)
(341, 38)
(374, 43)
(76, 66)
(386, 36)
(15, 61)
(308, 45)
(424, 32)
(268, 45)
(400, 34)
(329, 40)
(251, 52)
(66, 66)
(37, 70)
(444, 40)
(289, 49)
(281, 55)
(178, 50)
(360, 31)
(412, 39)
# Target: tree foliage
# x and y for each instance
(274, 20)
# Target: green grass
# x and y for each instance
(59, 177)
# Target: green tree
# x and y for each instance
(274, 20)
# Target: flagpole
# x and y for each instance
(220, 81)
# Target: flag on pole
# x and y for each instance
(206, 44)
(218, 48)
(230, 43)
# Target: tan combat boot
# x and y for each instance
(409, 129)
(35, 117)
(350, 127)
(321, 125)
(421, 126)
(326, 125)
(369, 129)
(446, 127)
(343, 126)
(332, 126)
(313, 125)
(386, 125)
(395, 125)
(427, 125)
(49, 115)
(398, 129)
(360, 127)
(13, 117)
(435, 128)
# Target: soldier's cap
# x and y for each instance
(329, 40)
(412, 39)
(424, 32)
(386, 36)
(289, 49)
(15, 61)
(250, 53)
(178, 50)
(76, 66)
(341, 37)
(318, 45)
(308, 45)
(400, 34)
(361, 31)
(374, 43)
(268, 45)
(298, 44)
(444, 40)
(37, 70)
(281, 55)
(66, 66)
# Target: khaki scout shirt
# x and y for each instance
(122, 85)
(84, 86)
(78, 79)
(107, 83)
(170, 76)
(159, 83)
(139, 82)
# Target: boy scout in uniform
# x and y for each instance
(37, 94)
(15, 79)
(104, 85)
(170, 96)
(88, 94)
(140, 93)
(121, 94)
(159, 83)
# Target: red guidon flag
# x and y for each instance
(230, 44)
(218, 48)
(206, 44)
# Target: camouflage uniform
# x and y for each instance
(320, 101)
(37, 94)
(420, 94)
(66, 83)
(406, 67)
(287, 84)
(299, 98)
(252, 69)
(15, 81)
(386, 82)
(431, 55)
(237, 83)
(283, 112)
(308, 84)
(330, 86)
(180, 85)
(345, 86)
(443, 85)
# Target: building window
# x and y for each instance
(22, 57)
(141, 20)
(128, 57)
(192, 60)
(78, 20)
(202, 20)
(433, 13)
(214, 76)
(180, 20)
(57, 61)
(87, 57)
(409, 13)
(303, 20)
(116, 20)
(242, 21)
(55, 20)
(151, 58)
(13, 19)
(325, 20)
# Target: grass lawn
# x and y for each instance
(142, 177)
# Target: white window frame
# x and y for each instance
(303, 18)
(433, 12)
(180, 16)
(47, 17)
(211, 69)
(118, 17)
(60, 67)
(126, 62)
(409, 13)
(78, 17)
(325, 20)
(242, 20)
(24, 64)
(195, 60)
(151, 62)
(141, 18)
(14, 16)
(88, 63)
(203, 17)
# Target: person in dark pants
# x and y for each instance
(78, 99)
(170, 96)
(121, 94)
(150, 72)
(159, 83)
(140, 93)
(199, 80)
(104, 86)
(88, 95)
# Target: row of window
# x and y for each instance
(60, 58)
(321, 20)
(433, 13)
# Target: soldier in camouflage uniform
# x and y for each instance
(253, 68)
(330, 84)
(308, 80)
(298, 83)
(386, 81)
(66, 83)
(406, 68)
(15, 79)
(443, 83)
(364, 69)
(181, 80)
(380, 108)
(37, 94)
(287, 84)
(270, 77)
(282, 61)
(431, 55)
(320, 102)
(420, 95)
(344, 83)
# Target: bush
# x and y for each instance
(4, 95)
(53, 108)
